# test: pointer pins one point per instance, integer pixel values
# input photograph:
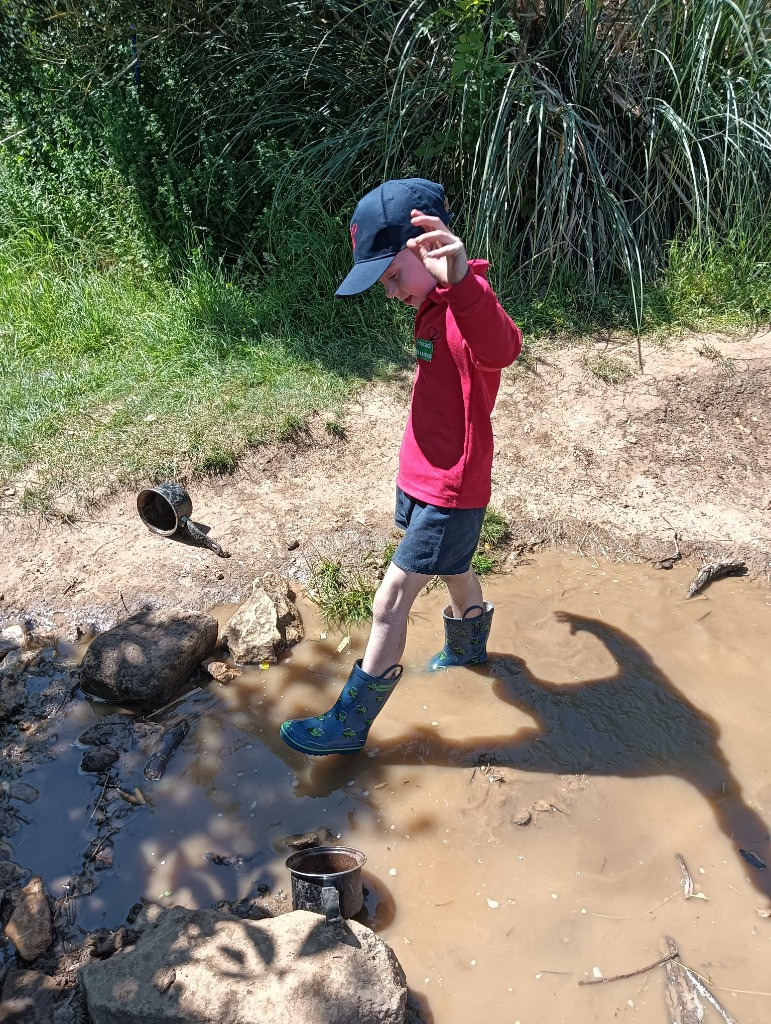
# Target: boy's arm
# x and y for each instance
(494, 340)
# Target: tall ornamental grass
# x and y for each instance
(575, 138)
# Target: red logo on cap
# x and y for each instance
(354, 229)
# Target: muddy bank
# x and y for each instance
(610, 470)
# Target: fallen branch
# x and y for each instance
(697, 984)
(631, 974)
(682, 1002)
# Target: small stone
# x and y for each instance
(221, 671)
(22, 791)
(493, 904)
(543, 805)
(293, 545)
(98, 759)
(301, 840)
(134, 912)
(596, 972)
(524, 818)
(16, 635)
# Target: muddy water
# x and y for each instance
(631, 723)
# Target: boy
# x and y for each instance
(463, 339)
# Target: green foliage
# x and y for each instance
(170, 240)
(493, 539)
(495, 529)
(573, 138)
(344, 597)
(110, 378)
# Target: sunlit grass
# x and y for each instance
(111, 378)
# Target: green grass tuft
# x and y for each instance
(609, 369)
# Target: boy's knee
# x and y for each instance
(394, 597)
(385, 602)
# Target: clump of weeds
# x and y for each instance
(709, 351)
(609, 369)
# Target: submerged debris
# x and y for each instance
(169, 742)
(752, 858)
(227, 862)
(715, 571)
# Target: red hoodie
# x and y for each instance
(463, 339)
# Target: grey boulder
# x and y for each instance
(147, 657)
(32, 998)
(210, 968)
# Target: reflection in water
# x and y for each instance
(633, 723)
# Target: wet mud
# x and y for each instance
(522, 821)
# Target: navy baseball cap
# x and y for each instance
(380, 227)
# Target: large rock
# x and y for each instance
(30, 997)
(265, 625)
(147, 657)
(211, 968)
(30, 928)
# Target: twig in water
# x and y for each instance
(96, 805)
(101, 843)
(663, 902)
(171, 704)
(631, 974)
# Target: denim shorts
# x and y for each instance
(437, 541)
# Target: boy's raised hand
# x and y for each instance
(441, 252)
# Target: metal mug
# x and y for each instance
(327, 880)
(166, 509)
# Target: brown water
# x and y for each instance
(642, 717)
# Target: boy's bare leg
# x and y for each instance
(465, 592)
(390, 610)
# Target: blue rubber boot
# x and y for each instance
(344, 728)
(465, 639)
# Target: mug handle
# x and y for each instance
(330, 899)
(198, 537)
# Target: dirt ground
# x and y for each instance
(607, 469)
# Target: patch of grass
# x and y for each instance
(343, 596)
(483, 563)
(609, 369)
(495, 529)
(111, 378)
(712, 352)
(493, 539)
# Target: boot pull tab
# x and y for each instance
(396, 669)
(473, 608)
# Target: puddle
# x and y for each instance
(631, 723)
